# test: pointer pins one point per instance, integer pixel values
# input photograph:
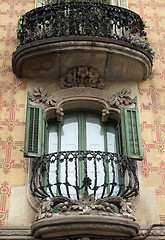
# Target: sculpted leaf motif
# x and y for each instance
(41, 96)
(82, 76)
(121, 99)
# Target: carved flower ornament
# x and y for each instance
(85, 205)
(118, 100)
(82, 76)
(41, 96)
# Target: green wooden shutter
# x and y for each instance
(34, 130)
(119, 143)
(131, 132)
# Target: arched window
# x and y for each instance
(81, 131)
(128, 131)
(81, 152)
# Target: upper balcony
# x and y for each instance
(84, 193)
(57, 37)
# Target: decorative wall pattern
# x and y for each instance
(152, 100)
(12, 102)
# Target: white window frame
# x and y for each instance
(120, 3)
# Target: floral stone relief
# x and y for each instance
(118, 100)
(86, 205)
(82, 76)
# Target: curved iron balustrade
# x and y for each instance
(102, 174)
(79, 19)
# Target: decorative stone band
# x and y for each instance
(118, 100)
(86, 205)
(19, 232)
(78, 226)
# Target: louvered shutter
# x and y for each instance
(119, 138)
(34, 130)
(131, 133)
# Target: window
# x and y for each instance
(128, 137)
(120, 3)
(78, 147)
(81, 131)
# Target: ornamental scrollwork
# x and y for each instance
(82, 76)
(87, 205)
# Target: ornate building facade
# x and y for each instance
(82, 120)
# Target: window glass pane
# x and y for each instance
(120, 3)
(69, 142)
(53, 140)
(94, 134)
(111, 138)
(52, 147)
(69, 134)
(111, 147)
(95, 142)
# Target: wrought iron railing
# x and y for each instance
(71, 173)
(83, 18)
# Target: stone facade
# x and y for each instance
(17, 206)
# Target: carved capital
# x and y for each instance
(82, 76)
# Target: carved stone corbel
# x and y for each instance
(105, 115)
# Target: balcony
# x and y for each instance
(57, 37)
(84, 193)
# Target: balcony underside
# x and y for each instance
(51, 58)
(85, 226)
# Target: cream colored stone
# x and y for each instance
(148, 210)
(20, 212)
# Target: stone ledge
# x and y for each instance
(15, 232)
(51, 58)
(84, 226)
(24, 233)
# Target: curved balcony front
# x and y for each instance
(84, 193)
(57, 37)
(71, 173)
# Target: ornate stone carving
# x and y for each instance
(121, 99)
(45, 210)
(41, 96)
(82, 76)
(118, 100)
(115, 101)
(87, 205)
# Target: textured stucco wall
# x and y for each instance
(152, 108)
(12, 101)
